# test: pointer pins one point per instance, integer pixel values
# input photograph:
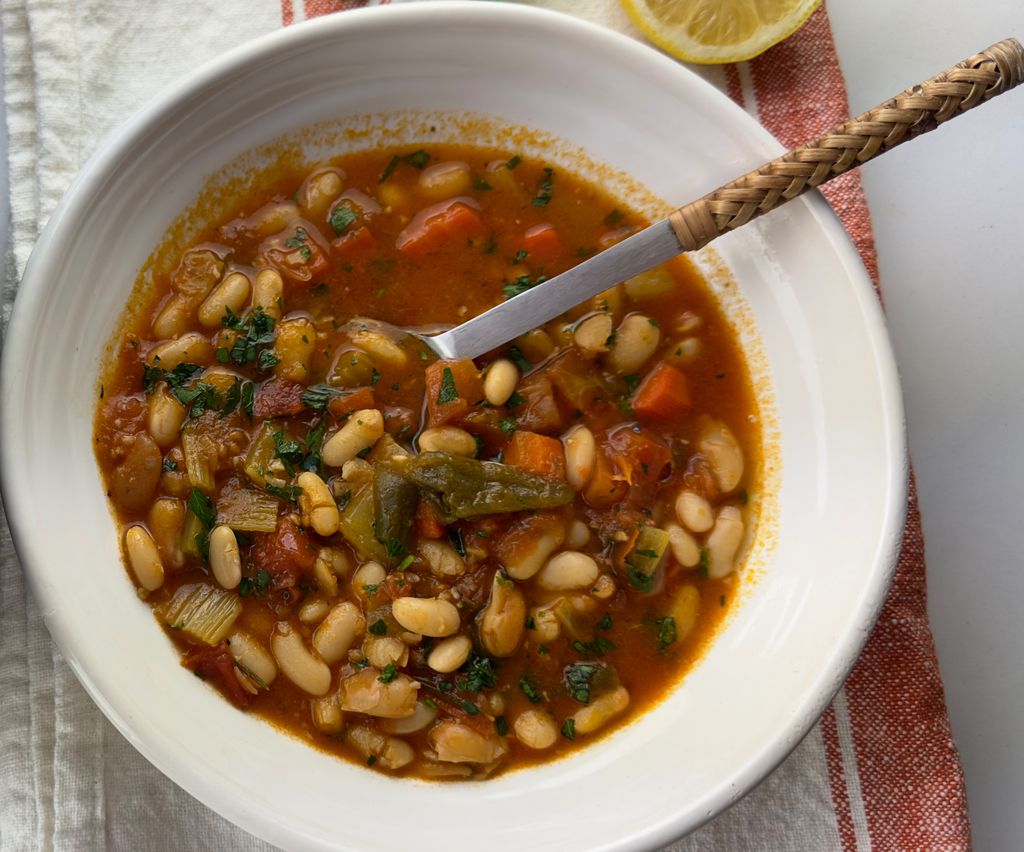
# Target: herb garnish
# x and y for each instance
(447, 392)
(417, 159)
(341, 217)
(543, 196)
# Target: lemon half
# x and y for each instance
(716, 31)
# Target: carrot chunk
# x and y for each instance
(355, 400)
(353, 244)
(453, 387)
(451, 222)
(427, 524)
(542, 243)
(663, 396)
(536, 453)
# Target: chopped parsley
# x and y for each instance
(577, 680)
(614, 217)
(341, 217)
(521, 284)
(507, 425)
(475, 675)
(447, 392)
(379, 627)
(632, 381)
(255, 334)
(543, 196)
(705, 562)
(169, 465)
(528, 686)
(290, 493)
(202, 507)
(482, 185)
(521, 362)
(605, 623)
(569, 728)
(299, 242)
(515, 161)
(515, 400)
(520, 256)
(666, 632)
(388, 673)
(417, 159)
(639, 580)
(255, 586)
(598, 648)
(501, 726)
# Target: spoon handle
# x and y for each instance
(911, 113)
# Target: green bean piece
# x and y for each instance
(467, 488)
(394, 504)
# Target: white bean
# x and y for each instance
(190, 348)
(225, 559)
(592, 333)
(457, 743)
(173, 318)
(363, 692)
(144, 557)
(569, 569)
(604, 587)
(447, 439)
(601, 710)
(368, 576)
(382, 349)
(535, 729)
(500, 381)
(232, 292)
(338, 631)
(724, 541)
(545, 622)
(308, 673)
(684, 546)
(382, 651)
(389, 752)
(427, 616)
(503, 619)
(685, 351)
(164, 416)
(327, 715)
(422, 716)
(268, 293)
(635, 341)
(165, 521)
(317, 505)
(580, 456)
(445, 180)
(721, 449)
(684, 611)
(293, 346)
(362, 431)
(578, 534)
(313, 610)
(650, 284)
(449, 654)
(694, 512)
(252, 656)
(443, 559)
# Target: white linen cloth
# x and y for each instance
(74, 69)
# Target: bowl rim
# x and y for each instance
(120, 141)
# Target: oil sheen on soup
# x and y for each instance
(439, 568)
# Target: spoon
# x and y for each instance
(911, 113)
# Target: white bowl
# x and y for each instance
(835, 484)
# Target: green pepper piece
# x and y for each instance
(646, 557)
(467, 488)
(394, 504)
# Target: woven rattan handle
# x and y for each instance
(915, 111)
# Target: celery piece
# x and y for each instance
(259, 455)
(357, 525)
(644, 560)
(247, 510)
(202, 612)
(199, 449)
(193, 534)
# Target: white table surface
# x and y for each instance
(947, 215)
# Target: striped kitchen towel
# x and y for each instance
(879, 770)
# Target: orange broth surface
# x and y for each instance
(419, 237)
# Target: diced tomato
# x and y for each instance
(299, 252)
(450, 222)
(485, 424)
(536, 453)
(640, 457)
(663, 396)
(541, 244)
(427, 524)
(278, 398)
(452, 388)
(353, 244)
(355, 400)
(576, 380)
(286, 554)
(539, 412)
(215, 664)
(606, 486)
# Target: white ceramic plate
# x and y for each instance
(827, 381)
